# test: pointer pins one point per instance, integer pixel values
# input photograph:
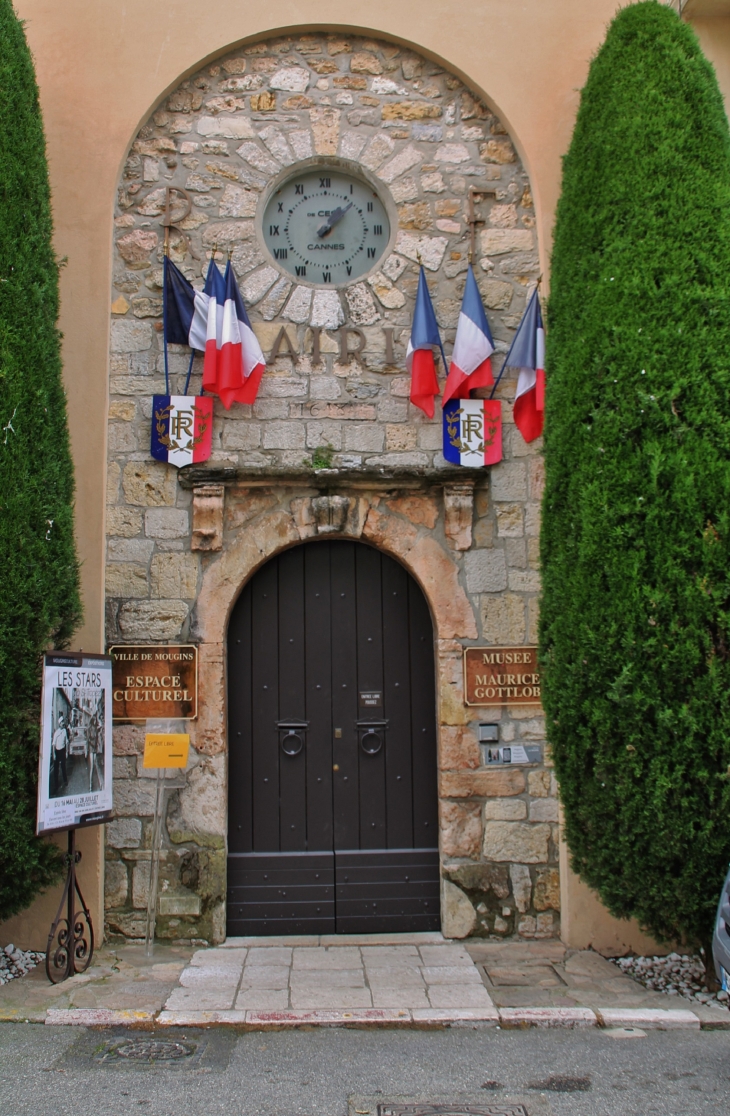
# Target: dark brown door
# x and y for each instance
(332, 735)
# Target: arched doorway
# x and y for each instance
(332, 819)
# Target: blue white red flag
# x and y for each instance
(182, 428)
(528, 354)
(473, 432)
(186, 310)
(234, 362)
(420, 358)
(471, 365)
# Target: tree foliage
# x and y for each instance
(39, 595)
(635, 627)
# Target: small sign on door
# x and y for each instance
(371, 698)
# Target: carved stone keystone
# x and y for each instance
(208, 517)
(330, 513)
(458, 513)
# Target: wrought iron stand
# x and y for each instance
(71, 938)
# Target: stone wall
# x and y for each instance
(222, 135)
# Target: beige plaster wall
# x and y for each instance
(714, 36)
(586, 924)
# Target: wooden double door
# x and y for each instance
(332, 743)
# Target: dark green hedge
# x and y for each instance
(39, 597)
(635, 628)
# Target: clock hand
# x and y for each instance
(335, 216)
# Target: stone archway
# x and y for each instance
(411, 525)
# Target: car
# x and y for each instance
(721, 937)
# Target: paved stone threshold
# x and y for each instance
(419, 980)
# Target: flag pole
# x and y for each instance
(164, 311)
(190, 372)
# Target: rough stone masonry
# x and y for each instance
(177, 556)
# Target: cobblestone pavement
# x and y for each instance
(119, 979)
(423, 972)
(380, 979)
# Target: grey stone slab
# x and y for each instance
(332, 998)
(408, 998)
(335, 978)
(262, 999)
(265, 976)
(541, 976)
(219, 958)
(391, 956)
(445, 955)
(342, 957)
(373, 952)
(209, 976)
(395, 978)
(458, 996)
(276, 955)
(451, 974)
(199, 999)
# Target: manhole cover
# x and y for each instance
(152, 1050)
(120, 1050)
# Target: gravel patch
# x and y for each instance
(675, 975)
(16, 962)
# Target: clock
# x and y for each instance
(325, 225)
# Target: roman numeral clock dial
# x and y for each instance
(325, 226)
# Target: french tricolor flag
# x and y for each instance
(420, 359)
(528, 354)
(234, 362)
(215, 322)
(471, 364)
(186, 310)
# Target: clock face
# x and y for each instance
(326, 226)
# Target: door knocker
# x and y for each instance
(372, 735)
(291, 735)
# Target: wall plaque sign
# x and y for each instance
(154, 681)
(501, 676)
(370, 698)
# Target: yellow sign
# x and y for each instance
(166, 749)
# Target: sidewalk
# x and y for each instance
(417, 980)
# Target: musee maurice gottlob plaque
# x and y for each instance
(150, 682)
(501, 676)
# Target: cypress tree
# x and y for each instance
(635, 626)
(39, 594)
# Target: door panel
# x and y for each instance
(318, 659)
(280, 893)
(377, 891)
(265, 701)
(346, 798)
(399, 774)
(292, 703)
(334, 635)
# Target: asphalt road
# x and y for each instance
(68, 1071)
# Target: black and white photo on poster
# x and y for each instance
(75, 758)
